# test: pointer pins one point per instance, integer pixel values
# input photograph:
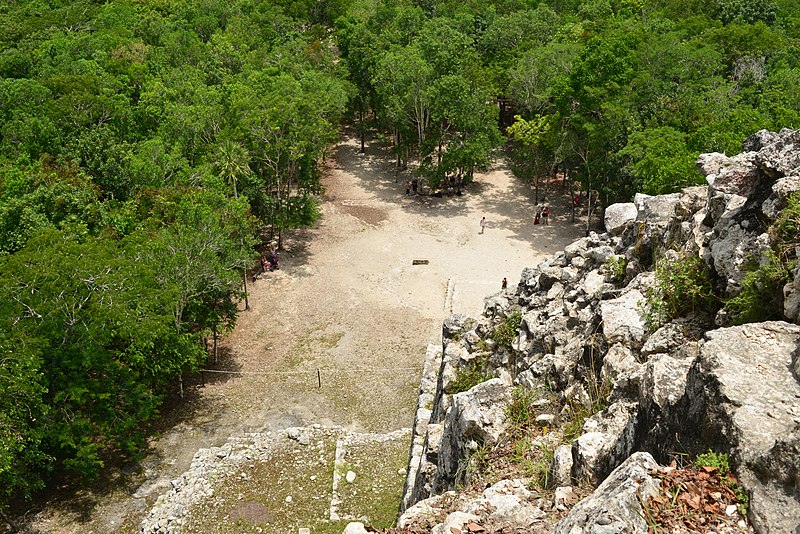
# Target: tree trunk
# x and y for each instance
(571, 192)
(216, 345)
(362, 128)
(588, 207)
(244, 279)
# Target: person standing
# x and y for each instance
(546, 215)
(408, 187)
(264, 267)
(504, 285)
(483, 224)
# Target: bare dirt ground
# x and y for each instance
(348, 302)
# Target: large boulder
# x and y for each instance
(738, 176)
(615, 506)
(742, 395)
(623, 318)
(781, 157)
(608, 438)
(475, 417)
(618, 216)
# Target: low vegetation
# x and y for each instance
(471, 374)
(506, 332)
(683, 286)
(761, 294)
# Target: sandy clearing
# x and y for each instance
(348, 301)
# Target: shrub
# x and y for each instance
(682, 286)
(761, 295)
(471, 375)
(615, 269)
(718, 461)
(505, 334)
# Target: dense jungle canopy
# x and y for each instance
(147, 147)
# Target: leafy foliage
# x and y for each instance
(615, 268)
(760, 297)
(470, 375)
(506, 332)
(143, 146)
(683, 285)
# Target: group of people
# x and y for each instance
(269, 261)
(542, 215)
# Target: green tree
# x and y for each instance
(659, 160)
(232, 162)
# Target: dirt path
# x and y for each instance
(349, 302)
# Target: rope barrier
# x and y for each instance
(312, 371)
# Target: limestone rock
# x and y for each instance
(759, 140)
(476, 416)
(456, 520)
(561, 467)
(791, 299)
(623, 320)
(618, 216)
(455, 324)
(711, 163)
(781, 157)
(607, 440)
(655, 210)
(670, 338)
(355, 527)
(738, 176)
(615, 507)
(508, 503)
(744, 396)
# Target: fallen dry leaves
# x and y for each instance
(699, 499)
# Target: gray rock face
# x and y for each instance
(759, 140)
(738, 176)
(561, 468)
(618, 216)
(607, 440)
(614, 507)
(730, 390)
(781, 157)
(476, 416)
(656, 210)
(623, 320)
(743, 395)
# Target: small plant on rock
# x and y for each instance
(520, 412)
(506, 333)
(615, 269)
(761, 294)
(470, 375)
(682, 286)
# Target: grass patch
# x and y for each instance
(470, 375)
(257, 503)
(374, 496)
(506, 332)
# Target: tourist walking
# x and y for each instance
(483, 224)
(546, 215)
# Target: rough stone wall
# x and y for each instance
(709, 385)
